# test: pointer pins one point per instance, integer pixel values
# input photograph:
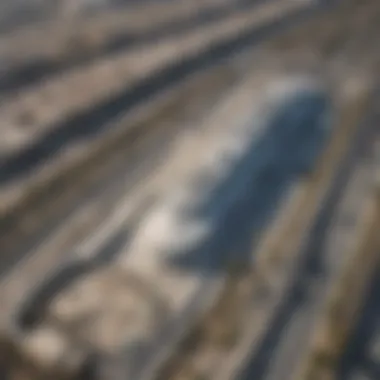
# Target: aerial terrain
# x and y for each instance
(189, 190)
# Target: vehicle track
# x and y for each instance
(284, 346)
(191, 346)
(347, 294)
(361, 357)
(23, 14)
(131, 262)
(48, 50)
(38, 194)
(268, 282)
(80, 116)
(102, 185)
(323, 261)
(235, 287)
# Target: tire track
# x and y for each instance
(108, 34)
(84, 121)
(129, 261)
(102, 184)
(174, 62)
(199, 343)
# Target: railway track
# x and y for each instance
(211, 319)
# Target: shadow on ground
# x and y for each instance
(295, 145)
(285, 151)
